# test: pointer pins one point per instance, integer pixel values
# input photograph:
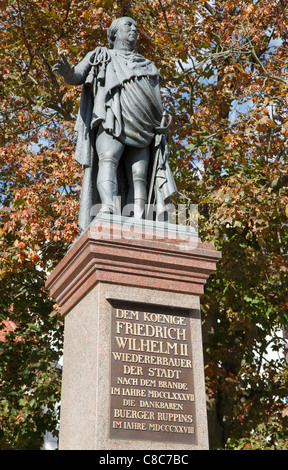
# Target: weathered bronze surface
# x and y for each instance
(122, 129)
(152, 389)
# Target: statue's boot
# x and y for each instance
(107, 192)
(139, 208)
(107, 184)
(140, 197)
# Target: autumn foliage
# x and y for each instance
(225, 79)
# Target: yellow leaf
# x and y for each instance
(272, 124)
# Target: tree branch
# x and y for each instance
(283, 10)
(268, 74)
(64, 21)
(277, 183)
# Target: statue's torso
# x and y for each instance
(133, 107)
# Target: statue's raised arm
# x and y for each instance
(63, 67)
(73, 75)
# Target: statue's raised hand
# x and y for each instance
(63, 67)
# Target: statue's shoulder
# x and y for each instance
(100, 55)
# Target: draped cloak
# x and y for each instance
(120, 91)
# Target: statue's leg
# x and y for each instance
(109, 152)
(136, 162)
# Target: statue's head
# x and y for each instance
(124, 30)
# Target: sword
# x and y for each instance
(155, 164)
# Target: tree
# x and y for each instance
(225, 80)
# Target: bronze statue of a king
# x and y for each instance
(122, 129)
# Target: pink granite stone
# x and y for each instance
(105, 254)
(109, 264)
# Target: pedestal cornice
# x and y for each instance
(171, 260)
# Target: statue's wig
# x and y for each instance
(112, 30)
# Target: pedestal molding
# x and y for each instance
(161, 264)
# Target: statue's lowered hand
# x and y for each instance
(63, 67)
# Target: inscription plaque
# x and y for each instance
(152, 388)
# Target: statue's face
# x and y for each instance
(127, 31)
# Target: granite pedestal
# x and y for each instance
(133, 374)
